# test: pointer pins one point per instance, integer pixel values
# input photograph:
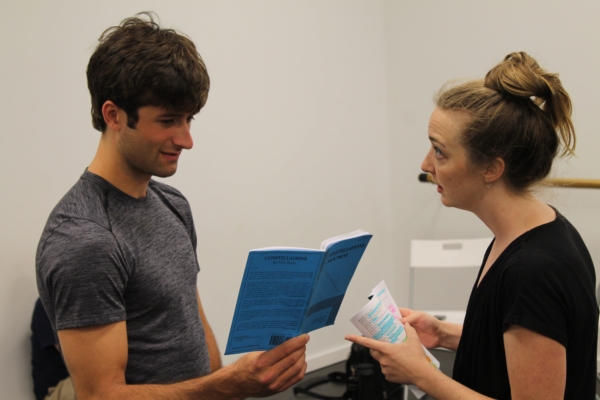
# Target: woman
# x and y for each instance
(530, 329)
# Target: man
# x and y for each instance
(116, 263)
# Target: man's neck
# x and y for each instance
(109, 166)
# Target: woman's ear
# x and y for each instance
(112, 115)
(494, 170)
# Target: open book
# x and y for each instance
(288, 291)
(380, 319)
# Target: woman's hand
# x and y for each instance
(400, 362)
(427, 326)
(432, 332)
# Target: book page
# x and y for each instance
(325, 244)
(379, 319)
(273, 298)
(341, 260)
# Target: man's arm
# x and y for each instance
(213, 350)
(97, 357)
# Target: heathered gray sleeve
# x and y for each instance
(84, 275)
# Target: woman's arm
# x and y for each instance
(536, 366)
(406, 363)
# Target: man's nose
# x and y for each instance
(183, 138)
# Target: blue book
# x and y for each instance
(288, 291)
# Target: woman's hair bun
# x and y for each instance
(521, 76)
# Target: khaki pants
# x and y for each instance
(63, 391)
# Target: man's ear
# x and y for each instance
(494, 170)
(113, 115)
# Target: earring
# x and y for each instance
(489, 185)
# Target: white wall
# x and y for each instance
(315, 126)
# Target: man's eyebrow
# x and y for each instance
(170, 114)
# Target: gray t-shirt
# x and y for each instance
(106, 257)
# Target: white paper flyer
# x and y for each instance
(380, 319)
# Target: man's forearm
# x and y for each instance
(97, 360)
(216, 386)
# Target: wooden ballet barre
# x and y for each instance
(553, 182)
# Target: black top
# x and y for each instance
(544, 281)
(46, 361)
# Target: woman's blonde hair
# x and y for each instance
(519, 113)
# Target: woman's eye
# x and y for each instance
(438, 153)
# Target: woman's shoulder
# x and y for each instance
(552, 249)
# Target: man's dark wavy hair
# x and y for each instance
(138, 64)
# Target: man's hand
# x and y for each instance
(260, 374)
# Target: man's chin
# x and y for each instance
(165, 173)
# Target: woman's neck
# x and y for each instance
(508, 215)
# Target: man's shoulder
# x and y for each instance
(86, 200)
(77, 235)
(81, 210)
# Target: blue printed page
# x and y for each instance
(273, 298)
(343, 253)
